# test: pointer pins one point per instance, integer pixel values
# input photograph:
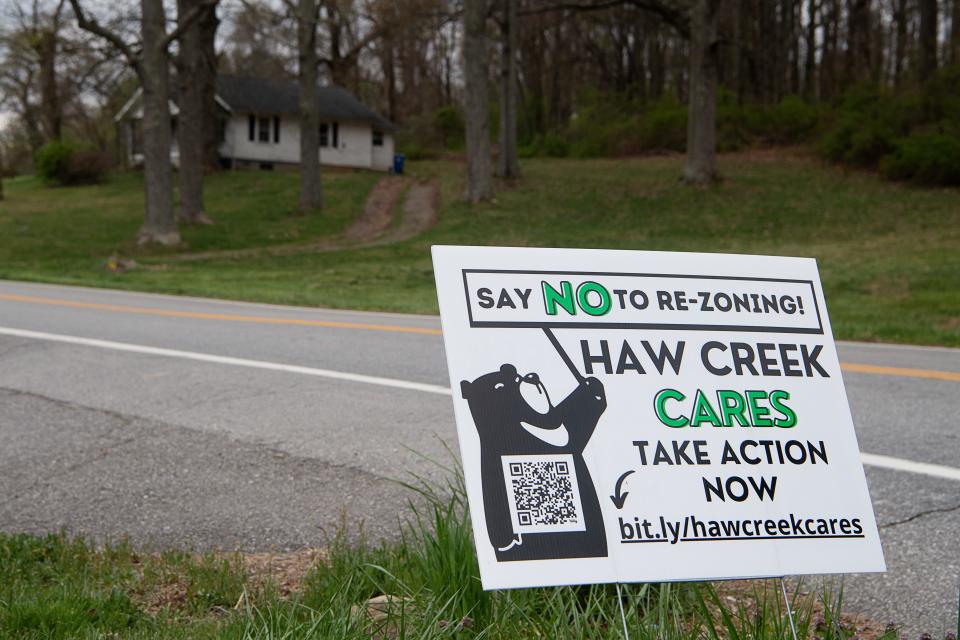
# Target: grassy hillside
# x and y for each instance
(889, 255)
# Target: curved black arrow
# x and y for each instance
(619, 498)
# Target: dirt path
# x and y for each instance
(376, 225)
(377, 216)
(419, 212)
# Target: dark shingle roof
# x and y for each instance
(245, 94)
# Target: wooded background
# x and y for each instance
(872, 82)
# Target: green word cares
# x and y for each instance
(731, 408)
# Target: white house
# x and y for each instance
(260, 127)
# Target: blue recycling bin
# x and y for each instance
(398, 160)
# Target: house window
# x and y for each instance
(276, 129)
(377, 138)
(328, 130)
(252, 127)
(263, 129)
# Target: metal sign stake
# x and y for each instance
(623, 616)
(786, 601)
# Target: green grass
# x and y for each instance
(55, 587)
(889, 255)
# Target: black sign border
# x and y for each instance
(479, 324)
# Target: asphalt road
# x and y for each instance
(189, 422)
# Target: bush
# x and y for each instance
(69, 164)
(792, 120)
(415, 151)
(928, 159)
(869, 124)
(593, 131)
(52, 160)
(664, 126)
(448, 122)
(554, 146)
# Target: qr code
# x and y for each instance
(543, 494)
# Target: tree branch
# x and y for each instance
(676, 16)
(91, 25)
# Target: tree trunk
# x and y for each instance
(390, 76)
(311, 194)
(477, 112)
(810, 53)
(700, 167)
(794, 9)
(955, 32)
(859, 59)
(900, 52)
(509, 165)
(208, 24)
(828, 57)
(927, 60)
(191, 120)
(51, 110)
(159, 224)
(29, 115)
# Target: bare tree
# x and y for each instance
(509, 165)
(257, 43)
(29, 73)
(311, 193)
(955, 32)
(151, 64)
(700, 167)
(858, 58)
(927, 60)
(45, 43)
(196, 76)
(477, 108)
(208, 23)
(810, 51)
(17, 79)
(344, 42)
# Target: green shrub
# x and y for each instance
(553, 145)
(869, 124)
(593, 130)
(52, 160)
(415, 151)
(941, 96)
(664, 126)
(792, 120)
(448, 122)
(928, 159)
(69, 164)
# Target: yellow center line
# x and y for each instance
(929, 374)
(904, 372)
(172, 313)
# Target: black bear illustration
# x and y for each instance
(498, 408)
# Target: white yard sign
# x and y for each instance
(633, 416)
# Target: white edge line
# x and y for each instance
(899, 464)
(870, 459)
(227, 360)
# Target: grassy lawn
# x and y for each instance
(889, 255)
(55, 587)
